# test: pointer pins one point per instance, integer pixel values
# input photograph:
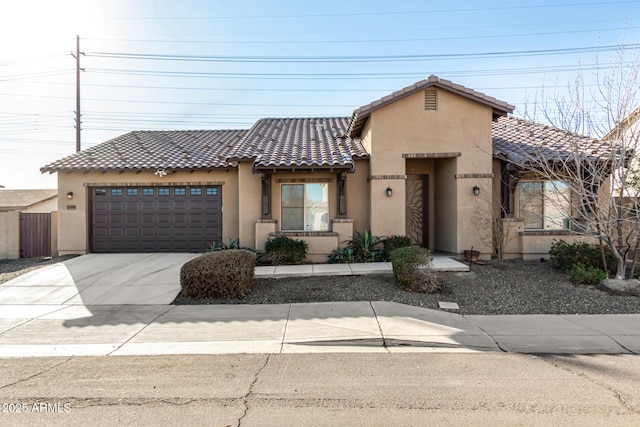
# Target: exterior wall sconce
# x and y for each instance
(160, 172)
(70, 195)
(476, 190)
(389, 191)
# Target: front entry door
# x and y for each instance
(417, 209)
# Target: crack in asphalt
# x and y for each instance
(247, 396)
(37, 374)
(618, 394)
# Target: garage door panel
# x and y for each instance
(146, 219)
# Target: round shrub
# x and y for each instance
(223, 274)
(407, 262)
(392, 243)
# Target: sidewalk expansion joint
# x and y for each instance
(141, 329)
(286, 325)
(488, 334)
(384, 340)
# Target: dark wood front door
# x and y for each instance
(155, 219)
(417, 209)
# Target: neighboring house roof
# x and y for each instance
(141, 150)
(11, 200)
(518, 141)
(318, 142)
(361, 115)
(620, 128)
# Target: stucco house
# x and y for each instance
(427, 161)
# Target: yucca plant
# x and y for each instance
(367, 247)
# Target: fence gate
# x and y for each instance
(35, 235)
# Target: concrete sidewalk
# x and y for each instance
(380, 327)
(439, 263)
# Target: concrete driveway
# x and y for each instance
(101, 279)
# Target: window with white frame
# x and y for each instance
(544, 205)
(305, 207)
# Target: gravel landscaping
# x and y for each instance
(12, 268)
(515, 287)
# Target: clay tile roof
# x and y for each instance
(141, 150)
(518, 141)
(360, 116)
(22, 199)
(311, 142)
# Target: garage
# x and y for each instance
(155, 219)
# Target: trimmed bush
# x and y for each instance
(392, 243)
(564, 256)
(406, 262)
(221, 274)
(581, 275)
(284, 250)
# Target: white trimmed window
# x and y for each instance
(544, 205)
(305, 207)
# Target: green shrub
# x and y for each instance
(406, 262)
(565, 255)
(367, 247)
(284, 250)
(394, 242)
(581, 275)
(342, 256)
(222, 274)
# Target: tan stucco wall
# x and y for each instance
(404, 127)
(45, 206)
(73, 233)
(249, 204)
(358, 204)
(536, 247)
(446, 207)
(10, 235)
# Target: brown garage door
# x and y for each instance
(155, 219)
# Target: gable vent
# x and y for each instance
(430, 99)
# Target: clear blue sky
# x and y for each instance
(169, 65)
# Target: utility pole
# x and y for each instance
(78, 115)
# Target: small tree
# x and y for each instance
(595, 155)
(502, 231)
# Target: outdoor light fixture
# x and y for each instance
(70, 195)
(389, 191)
(476, 190)
(160, 172)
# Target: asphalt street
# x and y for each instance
(322, 390)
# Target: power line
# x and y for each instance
(358, 59)
(368, 41)
(365, 13)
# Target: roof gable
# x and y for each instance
(362, 114)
